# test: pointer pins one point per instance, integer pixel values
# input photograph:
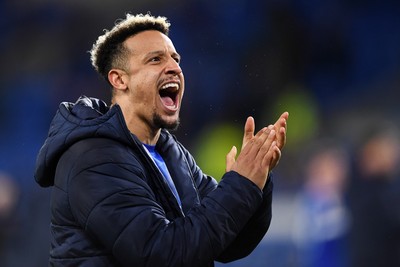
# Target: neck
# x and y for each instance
(143, 131)
(140, 127)
(146, 137)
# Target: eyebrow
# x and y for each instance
(161, 52)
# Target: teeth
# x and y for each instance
(168, 85)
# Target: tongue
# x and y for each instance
(167, 101)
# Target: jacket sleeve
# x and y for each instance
(254, 230)
(113, 204)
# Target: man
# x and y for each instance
(125, 191)
(375, 189)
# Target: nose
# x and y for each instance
(173, 67)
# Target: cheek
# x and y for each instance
(144, 93)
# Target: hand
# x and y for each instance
(255, 159)
(280, 140)
(280, 127)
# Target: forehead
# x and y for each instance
(148, 41)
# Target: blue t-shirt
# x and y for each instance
(159, 161)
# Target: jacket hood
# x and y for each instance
(87, 117)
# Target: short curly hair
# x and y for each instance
(109, 52)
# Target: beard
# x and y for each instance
(160, 123)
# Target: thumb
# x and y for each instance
(230, 158)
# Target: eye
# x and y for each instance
(177, 59)
(155, 59)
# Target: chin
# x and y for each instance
(169, 124)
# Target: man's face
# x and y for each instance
(156, 82)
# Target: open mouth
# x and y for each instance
(169, 95)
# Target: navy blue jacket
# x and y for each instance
(110, 206)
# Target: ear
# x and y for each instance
(118, 79)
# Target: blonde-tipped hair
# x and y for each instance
(108, 51)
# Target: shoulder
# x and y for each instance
(98, 154)
(99, 149)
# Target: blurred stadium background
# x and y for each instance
(334, 65)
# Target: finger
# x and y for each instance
(281, 121)
(230, 158)
(280, 128)
(285, 115)
(249, 129)
(281, 138)
(273, 156)
(254, 144)
(265, 141)
(277, 155)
